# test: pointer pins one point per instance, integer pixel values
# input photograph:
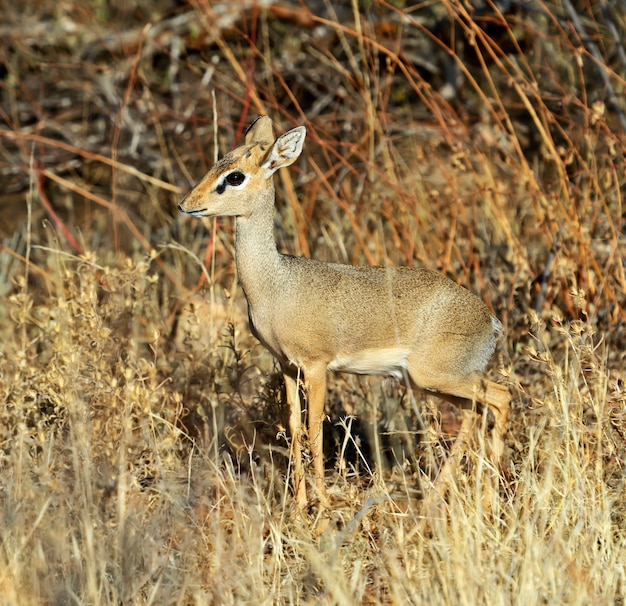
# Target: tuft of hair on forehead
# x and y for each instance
(224, 163)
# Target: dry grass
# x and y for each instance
(143, 453)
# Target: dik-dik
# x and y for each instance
(315, 317)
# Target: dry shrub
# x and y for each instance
(143, 454)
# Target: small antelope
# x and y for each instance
(316, 316)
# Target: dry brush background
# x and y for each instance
(143, 453)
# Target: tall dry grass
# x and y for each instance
(143, 449)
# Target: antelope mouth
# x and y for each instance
(194, 212)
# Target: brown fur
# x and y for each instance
(316, 316)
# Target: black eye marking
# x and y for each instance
(235, 178)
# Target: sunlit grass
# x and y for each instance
(144, 456)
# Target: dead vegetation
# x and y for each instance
(143, 453)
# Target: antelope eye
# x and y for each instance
(235, 178)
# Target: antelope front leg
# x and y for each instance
(316, 382)
(295, 427)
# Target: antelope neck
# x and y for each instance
(256, 254)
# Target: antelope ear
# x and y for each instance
(285, 151)
(260, 131)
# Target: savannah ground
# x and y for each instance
(143, 452)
